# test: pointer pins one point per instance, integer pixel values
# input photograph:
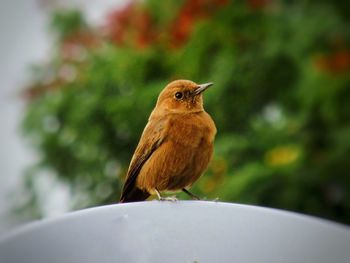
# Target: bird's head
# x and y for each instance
(182, 96)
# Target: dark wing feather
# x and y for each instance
(152, 137)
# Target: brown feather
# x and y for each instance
(175, 147)
(150, 140)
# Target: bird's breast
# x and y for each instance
(191, 129)
(183, 155)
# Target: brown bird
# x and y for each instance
(175, 147)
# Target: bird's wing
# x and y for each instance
(152, 137)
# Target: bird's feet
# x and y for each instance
(168, 198)
(194, 197)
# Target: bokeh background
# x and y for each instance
(281, 100)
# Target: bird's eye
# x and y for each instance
(178, 95)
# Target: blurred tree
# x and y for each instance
(281, 98)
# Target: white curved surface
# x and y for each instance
(185, 231)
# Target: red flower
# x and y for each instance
(118, 21)
(73, 46)
(337, 62)
(191, 12)
(131, 25)
(257, 4)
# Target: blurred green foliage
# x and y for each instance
(281, 100)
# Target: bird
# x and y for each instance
(175, 147)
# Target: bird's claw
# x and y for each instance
(169, 198)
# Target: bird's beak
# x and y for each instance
(202, 87)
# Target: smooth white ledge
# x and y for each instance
(183, 231)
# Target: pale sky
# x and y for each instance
(24, 40)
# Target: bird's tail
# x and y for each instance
(135, 195)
